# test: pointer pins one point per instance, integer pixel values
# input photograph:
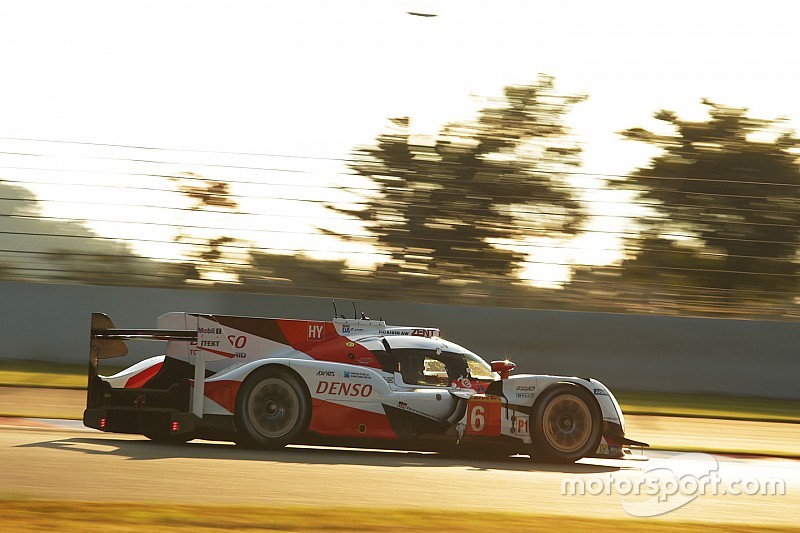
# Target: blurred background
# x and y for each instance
(605, 189)
(548, 155)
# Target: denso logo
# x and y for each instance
(337, 388)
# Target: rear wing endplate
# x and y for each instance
(107, 341)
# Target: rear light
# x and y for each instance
(176, 426)
(102, 423)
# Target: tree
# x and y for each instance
(294, 274)
(35, 247)
(451, 208)
(212, 254)
(726, 215)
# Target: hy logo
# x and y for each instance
(316, 331)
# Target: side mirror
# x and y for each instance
(503, 368)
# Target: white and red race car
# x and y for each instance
(268, 382)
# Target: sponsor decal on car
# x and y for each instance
(415, 332)
(404, 406)
(326, 373)
(316, 331)
(347, 328)
(356, 375)
(462, 383)
(600, 392)
(524, 388)
(213, 331)
(338, 388)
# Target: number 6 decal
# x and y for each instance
(476, 419)
(483, 415)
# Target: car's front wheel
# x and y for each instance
(567, 424)
(272, 409)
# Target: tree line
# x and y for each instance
(457, 217)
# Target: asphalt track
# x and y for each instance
(672, 433)
(60, 460)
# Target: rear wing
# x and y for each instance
(107, 341)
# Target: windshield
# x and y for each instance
(478, 368)
(430, 367)
(440, 368)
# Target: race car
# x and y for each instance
(269, 382)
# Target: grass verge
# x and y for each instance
(709, 406)
(69, 376)
(66, 516)
(15, 373)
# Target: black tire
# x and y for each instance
(567, 424)
(273, 409)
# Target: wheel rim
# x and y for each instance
(273, 408)
(567, 423)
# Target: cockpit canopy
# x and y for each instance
(424, 361)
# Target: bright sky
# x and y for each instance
(316, 78)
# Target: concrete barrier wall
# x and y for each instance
(627, 352)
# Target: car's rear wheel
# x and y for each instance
(272, 409)
(567, 424)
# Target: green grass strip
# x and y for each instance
(16, 373)
(67, 516)
(709, 406)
